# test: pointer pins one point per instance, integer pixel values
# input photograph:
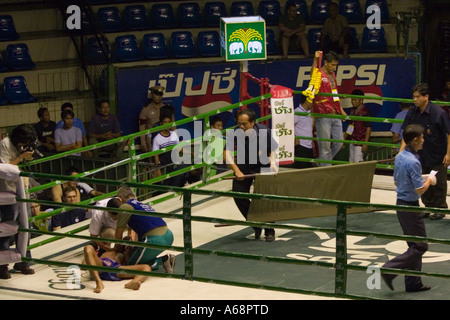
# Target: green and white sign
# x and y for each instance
(243, 38)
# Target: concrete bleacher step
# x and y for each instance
(83, 102)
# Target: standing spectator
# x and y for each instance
(396, 128)
(70, 217)
(13, 150)
(45, 130)
(149, 115)
(78, 124)
(410, 185)
(335, 35)
(166, 138)
(105, 126)
(68, 137)
(303, 127)
(358, 130)
(292, 28)
(248, 138)
(435, 154)
(328, 128)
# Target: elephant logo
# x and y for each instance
(254, 46)
(248, 38)
(236, 47)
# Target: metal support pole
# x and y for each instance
(187, 233)
(341, 250)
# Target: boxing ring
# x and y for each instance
(214, 189)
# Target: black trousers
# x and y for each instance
(412, 224)
(436, 196)
(244, 186)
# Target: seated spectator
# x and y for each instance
(105, 126)
(84, 191)
(70, 217)
(42, 224)
(335, 34)
(166, 138)
(78, 124)
(45, 130)
(68, 137)
(292, 28)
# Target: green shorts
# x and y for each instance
(149, 255)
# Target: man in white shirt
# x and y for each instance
(103, 223)
(303, 128)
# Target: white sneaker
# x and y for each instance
(169, 265)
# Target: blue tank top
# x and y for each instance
(143, 224)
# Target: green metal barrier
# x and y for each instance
(341, 266)
(341, 231)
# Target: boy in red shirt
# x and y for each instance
(358, 130)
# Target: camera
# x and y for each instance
(33, 146)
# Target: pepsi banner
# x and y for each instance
(195, 89)
(376, 77)
(190, 89)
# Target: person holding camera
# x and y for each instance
(15, 149)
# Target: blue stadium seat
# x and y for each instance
(162, 16)
(351, 9)
(213, 11)
(136, 17)
(189, 15)
(127, 48)
(319, 11)
(270, 11)
(241, 8)
(373, 40)
(3, 101)
(7, 29)
(3, 67)
(96, 51)
(354, 48)
(271, 43)
(110, 20)
(314, 39)
(382, 4)
(302, 8)
(15, 90)
(208, 43)
(18, 57)
(182, 44)
(154, 46)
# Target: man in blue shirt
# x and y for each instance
(410, 186)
